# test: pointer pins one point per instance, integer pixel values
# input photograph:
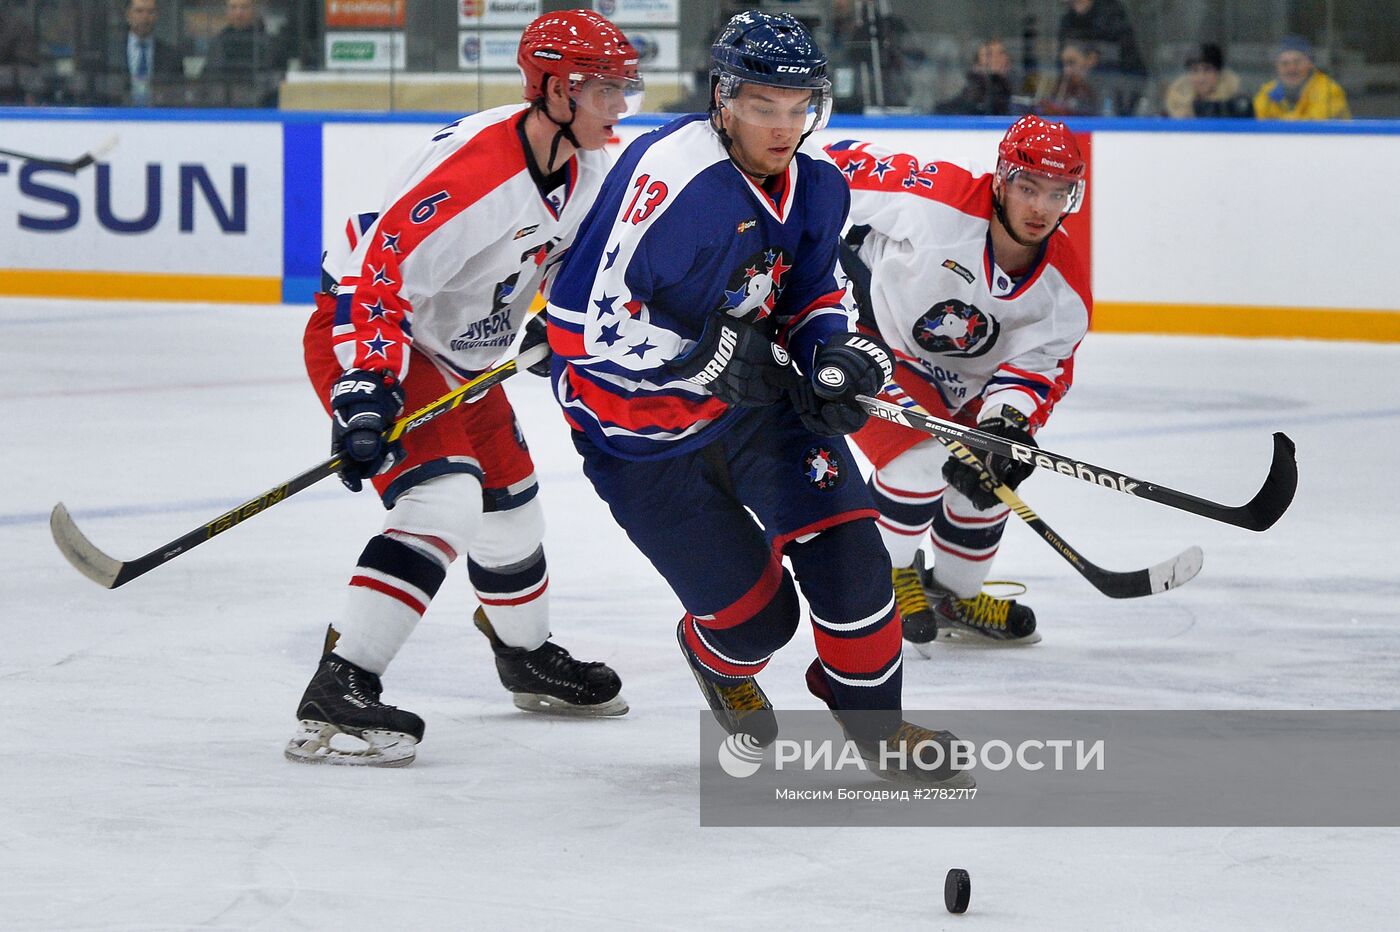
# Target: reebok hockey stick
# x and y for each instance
(1258, 514)
(72, 167)
(1133, 584)
(110, 573)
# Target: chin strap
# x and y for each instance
(565, 130)
(1006, 225)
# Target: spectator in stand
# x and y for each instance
(988, 88)
(136, 61)
(20, 81)
(1301, 91)
(245, 57)
(1208, 88)
(1074, 92)
(1102, 26)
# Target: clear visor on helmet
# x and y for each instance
(1057, 194)
(805, 110)
(611, 98)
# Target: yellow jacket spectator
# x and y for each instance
(1300, 92)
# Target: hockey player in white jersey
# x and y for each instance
(984, 300)
(436, 289)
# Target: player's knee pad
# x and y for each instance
(509, 536)
(756, 627)
(844, 571)
(444, 511)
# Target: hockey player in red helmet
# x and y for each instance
(983, 300)
(418, 297)
(596, 68)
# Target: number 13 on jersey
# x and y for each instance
(655, 193)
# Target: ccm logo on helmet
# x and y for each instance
(793, 69)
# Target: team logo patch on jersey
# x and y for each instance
(953, 328)
(958, 270)
(822, 468)
(526, 231)
(755, 287)
(746, 225)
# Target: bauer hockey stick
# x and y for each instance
(1258, 514)
(1133, 584)
(73, 166)
(110, 573)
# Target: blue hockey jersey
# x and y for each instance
(679, 233)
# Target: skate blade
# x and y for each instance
(958, 780)
(960, 638)
(324, 743)
(552, 705)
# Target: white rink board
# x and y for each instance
(216, 149)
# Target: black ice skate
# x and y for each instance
(984, 621)
(342, 721)
(547, 679)
(741, 708)
(902, 752)
(920, 623)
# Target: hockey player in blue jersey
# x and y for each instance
(704, 273)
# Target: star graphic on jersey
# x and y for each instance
(852, 167)
(641, 348)
(381, 277)
(916, 176)
(778, 270)
(377, 310)
(612, 256)
(609, 334)
(880, 167)
(390, 242)
(378, 345)
(605, 304)
(733, 299)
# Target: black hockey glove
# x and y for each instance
(363, 406)
(828, 418)
(847, 365)
(536, 333)
(1005, 422)
(737, 363)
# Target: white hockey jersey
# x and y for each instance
(940, 300)
(462, 245)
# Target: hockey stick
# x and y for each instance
(1258, 514)
(110, 573)
(72, 167)
(1133, 584)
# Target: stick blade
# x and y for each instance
(1274, 497)
(81, 552)
(1177, 571)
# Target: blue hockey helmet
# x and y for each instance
(775, 50)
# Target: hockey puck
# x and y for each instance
(957, 890)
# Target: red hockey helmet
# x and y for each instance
(577, 46)
(1045, 148)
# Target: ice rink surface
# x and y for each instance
(145, 786)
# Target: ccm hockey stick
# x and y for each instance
(110, 573)
(1258, 514)
(1133, 584)
(73, 166)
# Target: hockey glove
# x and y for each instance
(737, 363)
(536, 333)
(846, 365)
(1005, 422)
(363, 406)
(827, 418)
